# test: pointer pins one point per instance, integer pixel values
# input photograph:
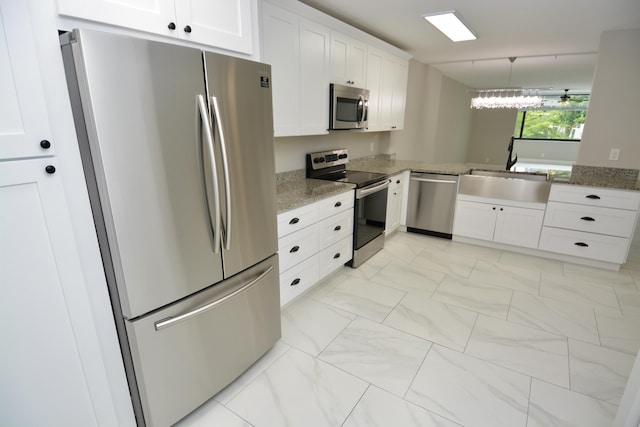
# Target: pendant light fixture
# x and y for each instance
(508, 97)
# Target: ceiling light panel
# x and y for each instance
(451, 25)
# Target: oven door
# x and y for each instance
(370, 213)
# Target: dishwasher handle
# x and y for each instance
(439, 181)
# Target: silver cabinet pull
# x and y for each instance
(214, 218)
(170, 321)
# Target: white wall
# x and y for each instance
(437, 118)
(614, 106)
(491, 131)
(549, 152)
(290, 151)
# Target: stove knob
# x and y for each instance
(318, 160)
(342, 156)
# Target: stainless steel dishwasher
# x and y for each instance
(432, 200)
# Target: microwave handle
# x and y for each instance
(364, 109)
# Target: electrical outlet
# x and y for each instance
(614, 154)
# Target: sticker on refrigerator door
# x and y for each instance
(264, 81)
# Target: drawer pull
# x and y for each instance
(338, 204)
(294, 249)
(593, 197)
(294, 221)
(587, 218)
(398, 182)
(295, 282)
(581, 244)
(336, 256)
(338, 228)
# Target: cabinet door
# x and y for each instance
(475, 220)
(394, 204)
(222, 23)
(374, 84)
(394, 87)
(144, 15)
(314, 78)
(24, 120)
(281, 49)
(43, 382)
(518, 226)
(348, 59)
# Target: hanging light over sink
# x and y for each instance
(506, 98)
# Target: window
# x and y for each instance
(555, 121)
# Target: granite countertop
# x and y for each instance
(625, 179)
(294, 190)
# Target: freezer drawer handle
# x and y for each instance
(170, 321)
(593, 197)
(587, 218)
(294, 249)
(581, 244)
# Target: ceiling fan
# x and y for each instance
(567, 98)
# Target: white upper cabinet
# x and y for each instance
(314, 69)
(298, 51)
(220, 23)
(24, 122)
(348, 60)
(387, 83)
(281, 49)
(394, 91)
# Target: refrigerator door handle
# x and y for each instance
(225, 172)
(170, 321)
(215, 221)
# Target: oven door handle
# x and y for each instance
(364, 192)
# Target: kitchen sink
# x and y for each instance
(506, 185)
(531, 176)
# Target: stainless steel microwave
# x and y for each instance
(348, 107)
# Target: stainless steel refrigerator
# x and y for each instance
(177, 148)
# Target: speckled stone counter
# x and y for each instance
(625, 179)
(596, 176)
(294, 190)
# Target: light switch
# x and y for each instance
(614, 154)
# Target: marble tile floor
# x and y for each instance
(431, 332)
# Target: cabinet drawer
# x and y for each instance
(297, 247)
(335, 256)
(333, 229)
(585, 245)
(297, 219)
(335, 204)
(298, 279)
(595, 196)
(594, 219)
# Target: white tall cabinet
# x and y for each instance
(55, 356)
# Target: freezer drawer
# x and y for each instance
(180, 365)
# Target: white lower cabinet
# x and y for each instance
(313, 241)
(590, 222)
(395, 201)
(500, 221)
